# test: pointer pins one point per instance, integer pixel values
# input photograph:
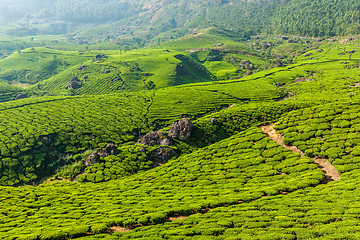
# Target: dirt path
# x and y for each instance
(331, 173)
(274, 135)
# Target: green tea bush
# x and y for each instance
(178, 187)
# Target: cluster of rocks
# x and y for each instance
(82, 67)
(181, 130)
(74, 83)
(162, 155)
(219, 45)
(156, 138)
(292, 41)
(93, 158)
(307, 54)
(266, 45)
(135, 68)
(247, 64)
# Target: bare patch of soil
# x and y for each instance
(331, 173)
(117, 229)
(170, 219)
(354, 85)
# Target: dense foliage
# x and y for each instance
(229, 179)
(36, 130)
(173, 18)
(240, 169)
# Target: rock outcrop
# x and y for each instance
(181, 129)
(292, 41)
(162, 155)
(93, 158)
(156, 138)
(110, 149)
(82, 68)
(266, 45)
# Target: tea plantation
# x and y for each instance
(229, 180)
(239, 169)
(37, 131)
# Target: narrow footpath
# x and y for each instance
(331, 173)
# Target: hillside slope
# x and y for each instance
(92, 20)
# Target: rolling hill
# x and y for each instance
(164, 119)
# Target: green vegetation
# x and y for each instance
(73, 160)
(33, 65)
(143, 21)
(329, 131)
(179, 187)
(128, 161)
(36, 130)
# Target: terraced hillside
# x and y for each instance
(272, 153)
(212, 54)
(36, 131)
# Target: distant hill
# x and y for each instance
(93, 20)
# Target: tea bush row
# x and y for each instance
(240, 169)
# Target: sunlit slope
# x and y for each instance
(36, 130)
(207, 178)
(33, 65)
(116, 71)
(327, 211)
